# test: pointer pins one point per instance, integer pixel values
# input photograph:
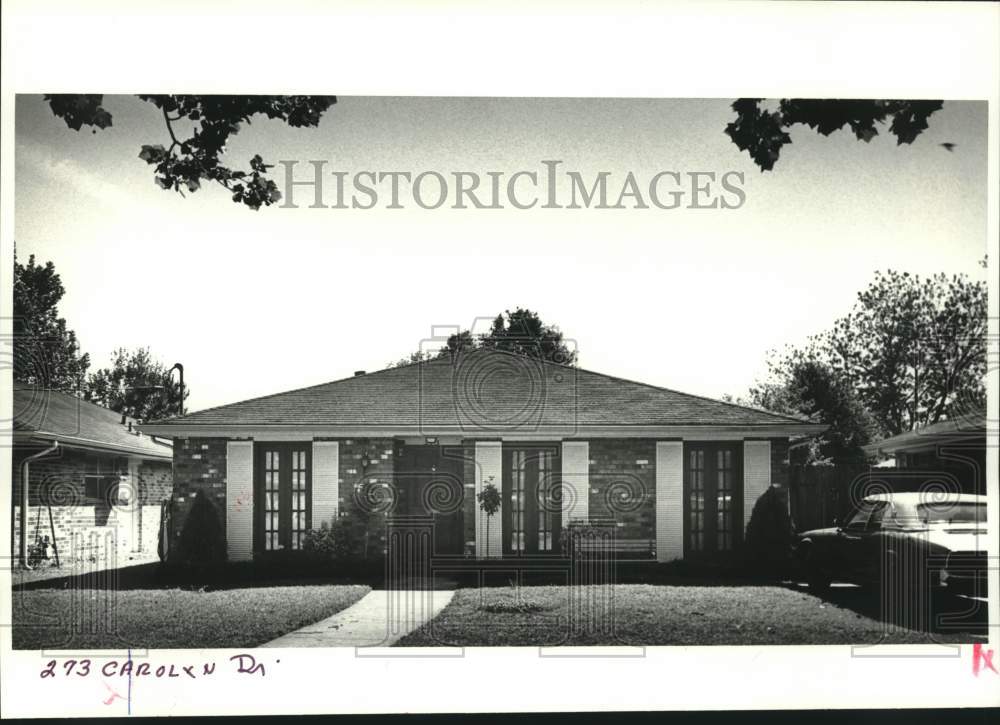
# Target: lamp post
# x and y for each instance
(180, 372)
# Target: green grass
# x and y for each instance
(658, 615)
(171, 618)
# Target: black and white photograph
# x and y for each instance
(421, 387)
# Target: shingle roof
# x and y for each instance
(486, 388)
(54, 415)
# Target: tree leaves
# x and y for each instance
(912, 350)
(79, 110)
(762, 133)
(520, 331)
(46, 352)
(136, 384)
(213, 120)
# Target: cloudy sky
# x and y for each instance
(258, 302)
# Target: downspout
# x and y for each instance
(24, 499)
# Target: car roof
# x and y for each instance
(926, 497)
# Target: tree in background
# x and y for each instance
(198, 129)
(913, 348)
(761, 127)
(910, 353)
(414, 357)
(520, 331)
(46, 353)
(137, 385)
(803, 386)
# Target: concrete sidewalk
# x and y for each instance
(379, 619)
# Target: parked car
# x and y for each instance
(914, 541)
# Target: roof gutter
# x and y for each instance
(92, 445)
(25, 474)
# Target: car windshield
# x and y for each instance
(952, 513)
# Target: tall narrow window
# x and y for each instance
(696, 466)
(724, 499)
(272, 500)
(298, 507)
(517, 501)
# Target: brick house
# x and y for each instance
(95, 485)
(676, 474)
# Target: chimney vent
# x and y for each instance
(358, 372)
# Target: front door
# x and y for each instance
(283, 479)
(429, 483)
(713, 498)
(532, 516)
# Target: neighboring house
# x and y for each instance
(677, 474)
(94, 481)
(955, 449)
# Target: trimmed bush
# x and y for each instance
(769, 537)
(202, 541)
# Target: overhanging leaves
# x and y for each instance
(762, 132)
(213, 120)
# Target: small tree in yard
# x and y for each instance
(489, 503)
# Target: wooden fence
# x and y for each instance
(821, 495)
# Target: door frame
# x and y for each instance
(285, 449)
(711, 448)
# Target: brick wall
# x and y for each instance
(623, 488)
(156, 482)
(88, 529)
(377, 475)
(59, 476)
(199, 468)
(368, 490)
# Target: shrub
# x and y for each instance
(769, 534)
(343, 540)
(202, 541)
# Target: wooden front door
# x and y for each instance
(531, 515)
(282, 494)
(429, 483)
(713, 497)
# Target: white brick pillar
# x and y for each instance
(239, 500)
(325, 482)
(575, 481)
(489, 462)
(669, 500)
(756, 475)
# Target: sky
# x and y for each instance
(254, 303)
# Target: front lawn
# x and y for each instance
(643, 614)
(92, 618)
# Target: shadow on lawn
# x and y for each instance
(157, 575)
